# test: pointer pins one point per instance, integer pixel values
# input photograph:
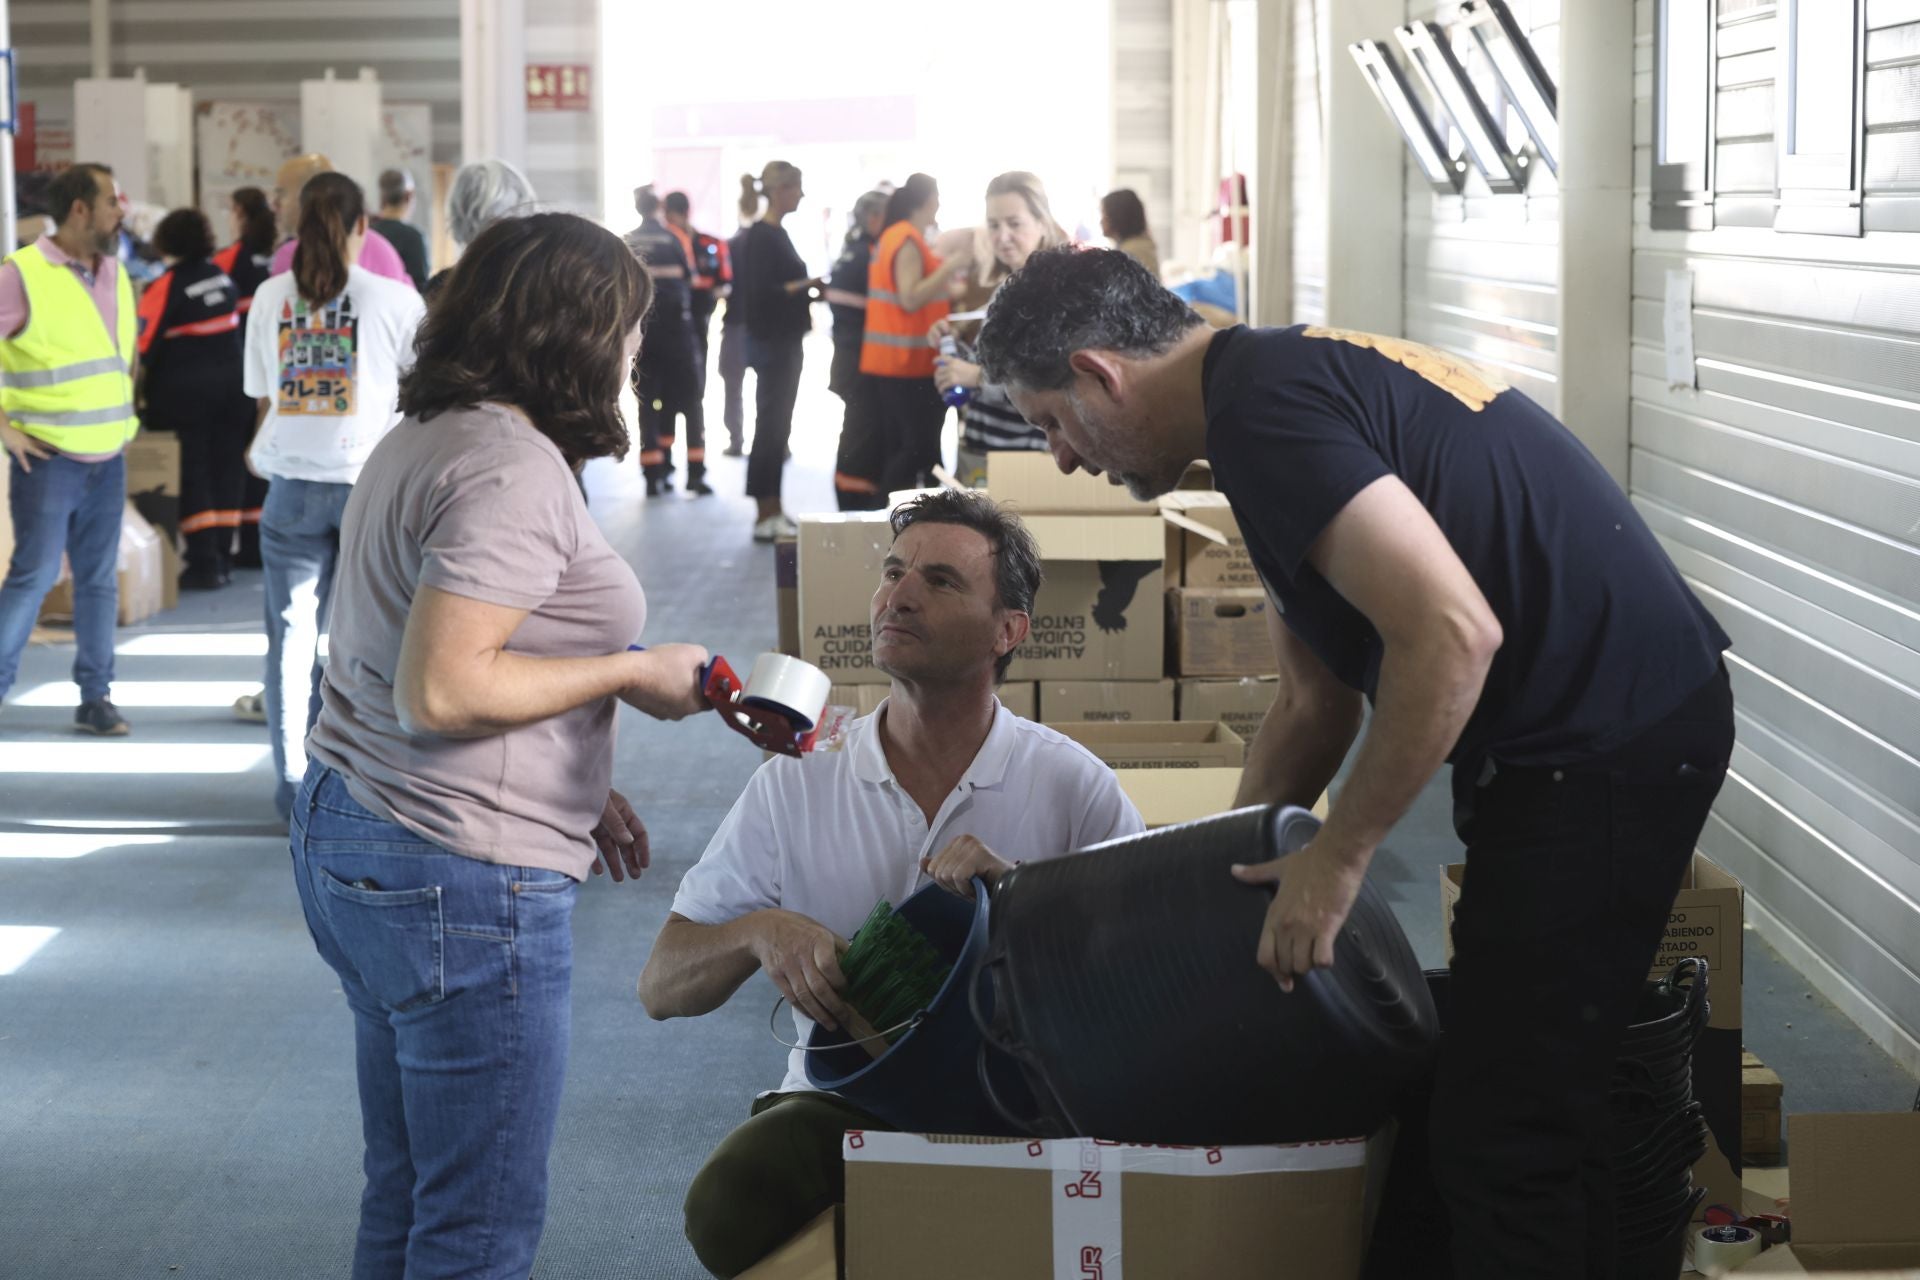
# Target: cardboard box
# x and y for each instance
(139, 570)
(1856, 1185)
(1760, 1098)
(1160, 744)
(1022, 697)
(1079, 1209)
(1105, 701)
(1165, 797)
(153, 479)
(1204, 547)
(1241, 705)
(6, 516)
(1707, 918)
(170, 567)
(786, 596)
(814, 1254)
(1031, 482)
(837, 562)
(1097, 616)
(1220, 632)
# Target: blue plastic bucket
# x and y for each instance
(928, 1080)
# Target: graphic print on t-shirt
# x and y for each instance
(318, 357)
(1468, 383)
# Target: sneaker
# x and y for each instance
(100, 718)
(733, 451)
(198, 579)
(775, 527)
(697, 487)
(251, 706)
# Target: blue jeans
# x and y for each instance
(299, 543)
(75, 507)
(459, 975)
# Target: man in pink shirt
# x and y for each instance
(378, 255)
(66, 414)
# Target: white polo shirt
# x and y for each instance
(827, 836)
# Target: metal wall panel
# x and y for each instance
(1482, 270)
(1786, 485)
(1143, 109)
(1309, 176)
(260, 50)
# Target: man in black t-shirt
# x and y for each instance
(1439, 544)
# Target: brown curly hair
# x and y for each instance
(535, 314)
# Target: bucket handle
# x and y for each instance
(1020, 1123)
(988, 1035)
(773, 1025)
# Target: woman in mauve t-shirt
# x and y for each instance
(459, 785)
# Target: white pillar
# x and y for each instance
(109, 127)
(9, 227)
(1596, 225)
(1366, 187)
(340, 119)
(100, 28)
(493, 91)
(1273, 197)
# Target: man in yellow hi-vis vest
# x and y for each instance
(66, 414)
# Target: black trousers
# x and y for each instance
(703, 309)
(667, 387)
(1570, 875)
(776, 370)
(910, 415)
(862, 454)
(214, 430)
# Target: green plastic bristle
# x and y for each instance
(892, 971)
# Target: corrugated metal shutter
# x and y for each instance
(253, 50)
(1482, 270)
(1787, 488)
(563, 147)
(1143, 108)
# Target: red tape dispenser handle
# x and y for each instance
(768, 725)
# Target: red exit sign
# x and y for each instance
(559, 88)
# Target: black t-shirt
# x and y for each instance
(1602, 637)
(773, 314)
(409, 244)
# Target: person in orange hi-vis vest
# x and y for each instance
(892, 437)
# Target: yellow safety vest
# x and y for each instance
(67, 381)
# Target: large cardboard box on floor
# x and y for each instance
(814, 1254)
(153, 479)
(1760, 1097)
(786, 596)
(1220, 632)
(1706, 920)
(1856, 1198)
(1204, 547)
(140, 569)
(1154, 744)
(1166, 797)
(1105, 701)
(1077, 1209)
(1241, 705)
(1031, 483)
(1098, 615)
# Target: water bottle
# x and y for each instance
(955, 395)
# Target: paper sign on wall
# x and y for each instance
(1678, 327)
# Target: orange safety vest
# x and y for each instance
(895, 345)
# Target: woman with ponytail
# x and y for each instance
(778, 289)
(325, 346)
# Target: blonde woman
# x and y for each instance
(1020, 223)
(777, 287)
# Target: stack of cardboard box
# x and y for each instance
(1151, 617)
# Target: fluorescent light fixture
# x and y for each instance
(1528, 86)
(68, 844)
(1389, 85)
(18, 942)
(195, 644)
(1440, 71)
(148, 693)
(88, 759)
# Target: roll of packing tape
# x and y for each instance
(795, 689)
(1718, 1250)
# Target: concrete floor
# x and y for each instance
(176, 1092)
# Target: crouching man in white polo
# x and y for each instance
(941, 784)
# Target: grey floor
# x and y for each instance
(176, 1089)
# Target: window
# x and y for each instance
(1434, 62)
(1529, 89)
(1389, 85)
(1818, 109)
(1683, 80)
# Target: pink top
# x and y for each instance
(102, 280)
(377, 255)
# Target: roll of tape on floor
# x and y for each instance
(788, 685)
(1718, 1250)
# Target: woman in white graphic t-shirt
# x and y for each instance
(325, 345)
